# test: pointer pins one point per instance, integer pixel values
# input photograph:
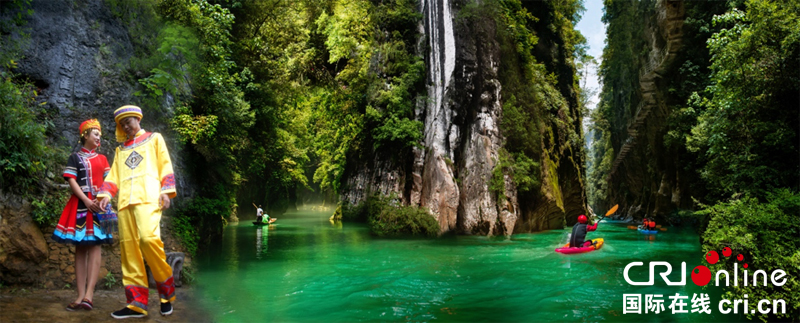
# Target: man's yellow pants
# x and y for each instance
(140, 241)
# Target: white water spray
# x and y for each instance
(438, 27)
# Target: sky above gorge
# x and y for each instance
(594, 30)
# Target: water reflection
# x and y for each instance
(262, 240)
(232, 255)
(324, 271)
(335, 224)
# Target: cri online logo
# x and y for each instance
(701, 275)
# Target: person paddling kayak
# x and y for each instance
(648, 224)
(259, 212)
(262, 217)
(579, 231)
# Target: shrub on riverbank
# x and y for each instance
(387, 217)
(766, 234)
(198, 223)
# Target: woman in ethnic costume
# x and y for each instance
(79, 223)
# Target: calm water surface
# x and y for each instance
(305, 269)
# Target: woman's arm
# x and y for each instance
(76, 190)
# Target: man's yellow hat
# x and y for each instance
(122, 113)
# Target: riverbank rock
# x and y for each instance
(28, 256)
(22, 246)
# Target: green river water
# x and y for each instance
(305, 269)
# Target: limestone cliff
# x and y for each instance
(643, 178)
(462, 140)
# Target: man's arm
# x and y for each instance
(109, 187)
(165, 172)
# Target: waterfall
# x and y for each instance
(438, 27)
(434, 181)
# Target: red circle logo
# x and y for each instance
(701, 275)
(712, 257)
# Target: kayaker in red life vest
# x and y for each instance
(579, 231)
(648, 224)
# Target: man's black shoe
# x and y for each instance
(166, 309)
(126, 313)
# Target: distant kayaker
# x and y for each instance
(259, 212)
(262, 217)
(648, 224)
(579, 231)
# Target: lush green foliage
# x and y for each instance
(538, 122)
(520, 168)
(747, 136)
(371, 97)
(691, 76)
(397, 220)
(22, 136)
(199, 221)
(47, 210)
(185, 230)
(387, 217)
(264, 90)
(219, 114)
(270, 43)
(748, 128)
(329, 80)
(733, 98)
(766, 234)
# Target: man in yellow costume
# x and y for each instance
(142, 179)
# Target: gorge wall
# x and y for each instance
(644, 166)
(463, 140)
(642, 179)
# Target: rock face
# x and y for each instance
(477, 104)
(77, 56)
(29, 256)
(643, 178)
(21, 242)
(462, 141)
